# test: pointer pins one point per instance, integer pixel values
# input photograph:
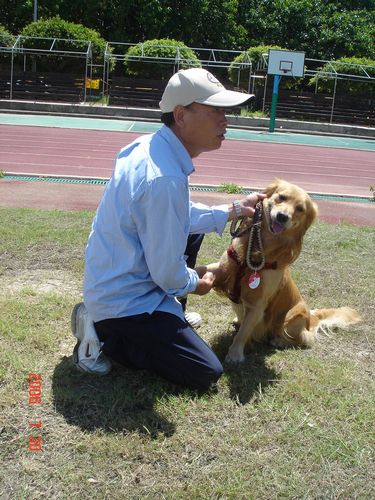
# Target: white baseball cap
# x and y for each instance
(198, 85)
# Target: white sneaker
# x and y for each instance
(87, 354)
(194, 319)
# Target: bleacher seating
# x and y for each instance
(131, 92)
(309, 106)
(54, 87)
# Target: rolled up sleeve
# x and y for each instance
(206, 219)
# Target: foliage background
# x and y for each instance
(324, 29)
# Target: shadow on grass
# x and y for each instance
(248, 380)
(122, 401)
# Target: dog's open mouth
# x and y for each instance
(276, 227)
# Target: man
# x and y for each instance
(135, 261)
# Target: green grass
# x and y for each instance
(284, 424)
(253, 114)
(230, 187)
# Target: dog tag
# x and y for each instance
(254, 280)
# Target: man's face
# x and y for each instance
(201, 128)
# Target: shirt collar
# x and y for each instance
(182, 155)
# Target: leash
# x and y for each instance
(255, 240)
(255, 245)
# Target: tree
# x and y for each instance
(16, 14)
(198, 23)
(349, 34)
(294, 24)
(341, 5)
(322, 29)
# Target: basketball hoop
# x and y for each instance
(285, 63)
(282, 63)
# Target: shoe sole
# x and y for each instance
(73, 319)
(73, 327)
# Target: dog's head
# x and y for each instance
(288, 209)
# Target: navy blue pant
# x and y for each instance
(162, 343)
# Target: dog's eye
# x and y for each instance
(300, 208)
(282, 197)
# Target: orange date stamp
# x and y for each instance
(35, 398)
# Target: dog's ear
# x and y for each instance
(271, 188)
(311, 212)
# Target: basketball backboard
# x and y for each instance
(286, 63)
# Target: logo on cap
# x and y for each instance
(211, 78)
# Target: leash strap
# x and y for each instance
(255, 240)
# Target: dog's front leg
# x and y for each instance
(244, 335)
(216, 269)
(239, 312)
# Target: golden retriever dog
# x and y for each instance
(254, 273)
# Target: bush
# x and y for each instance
(138, 65)
(77, 34)
(230, 187)
(6, 42)
(255, 56)
(6, 39)
(239, 63)
(324, 79)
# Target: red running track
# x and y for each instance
(90, 153)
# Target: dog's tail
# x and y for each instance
(323, 320)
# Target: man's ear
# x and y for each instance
(179, 115)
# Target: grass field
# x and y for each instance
(285, 424)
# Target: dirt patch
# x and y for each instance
(41, 281)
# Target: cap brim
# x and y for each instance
(226, 99)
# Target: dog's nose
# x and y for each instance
(282, 218)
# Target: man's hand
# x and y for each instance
(245, 207)
(205, 284)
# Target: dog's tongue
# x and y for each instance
(277, 228)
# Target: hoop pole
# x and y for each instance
(275, 94)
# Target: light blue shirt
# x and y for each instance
(134, 259)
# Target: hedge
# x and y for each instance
(58, 28)
(325, 78)
(137, 65)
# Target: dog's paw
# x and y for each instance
(233, 358)
(236, 324)
(279, 343)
